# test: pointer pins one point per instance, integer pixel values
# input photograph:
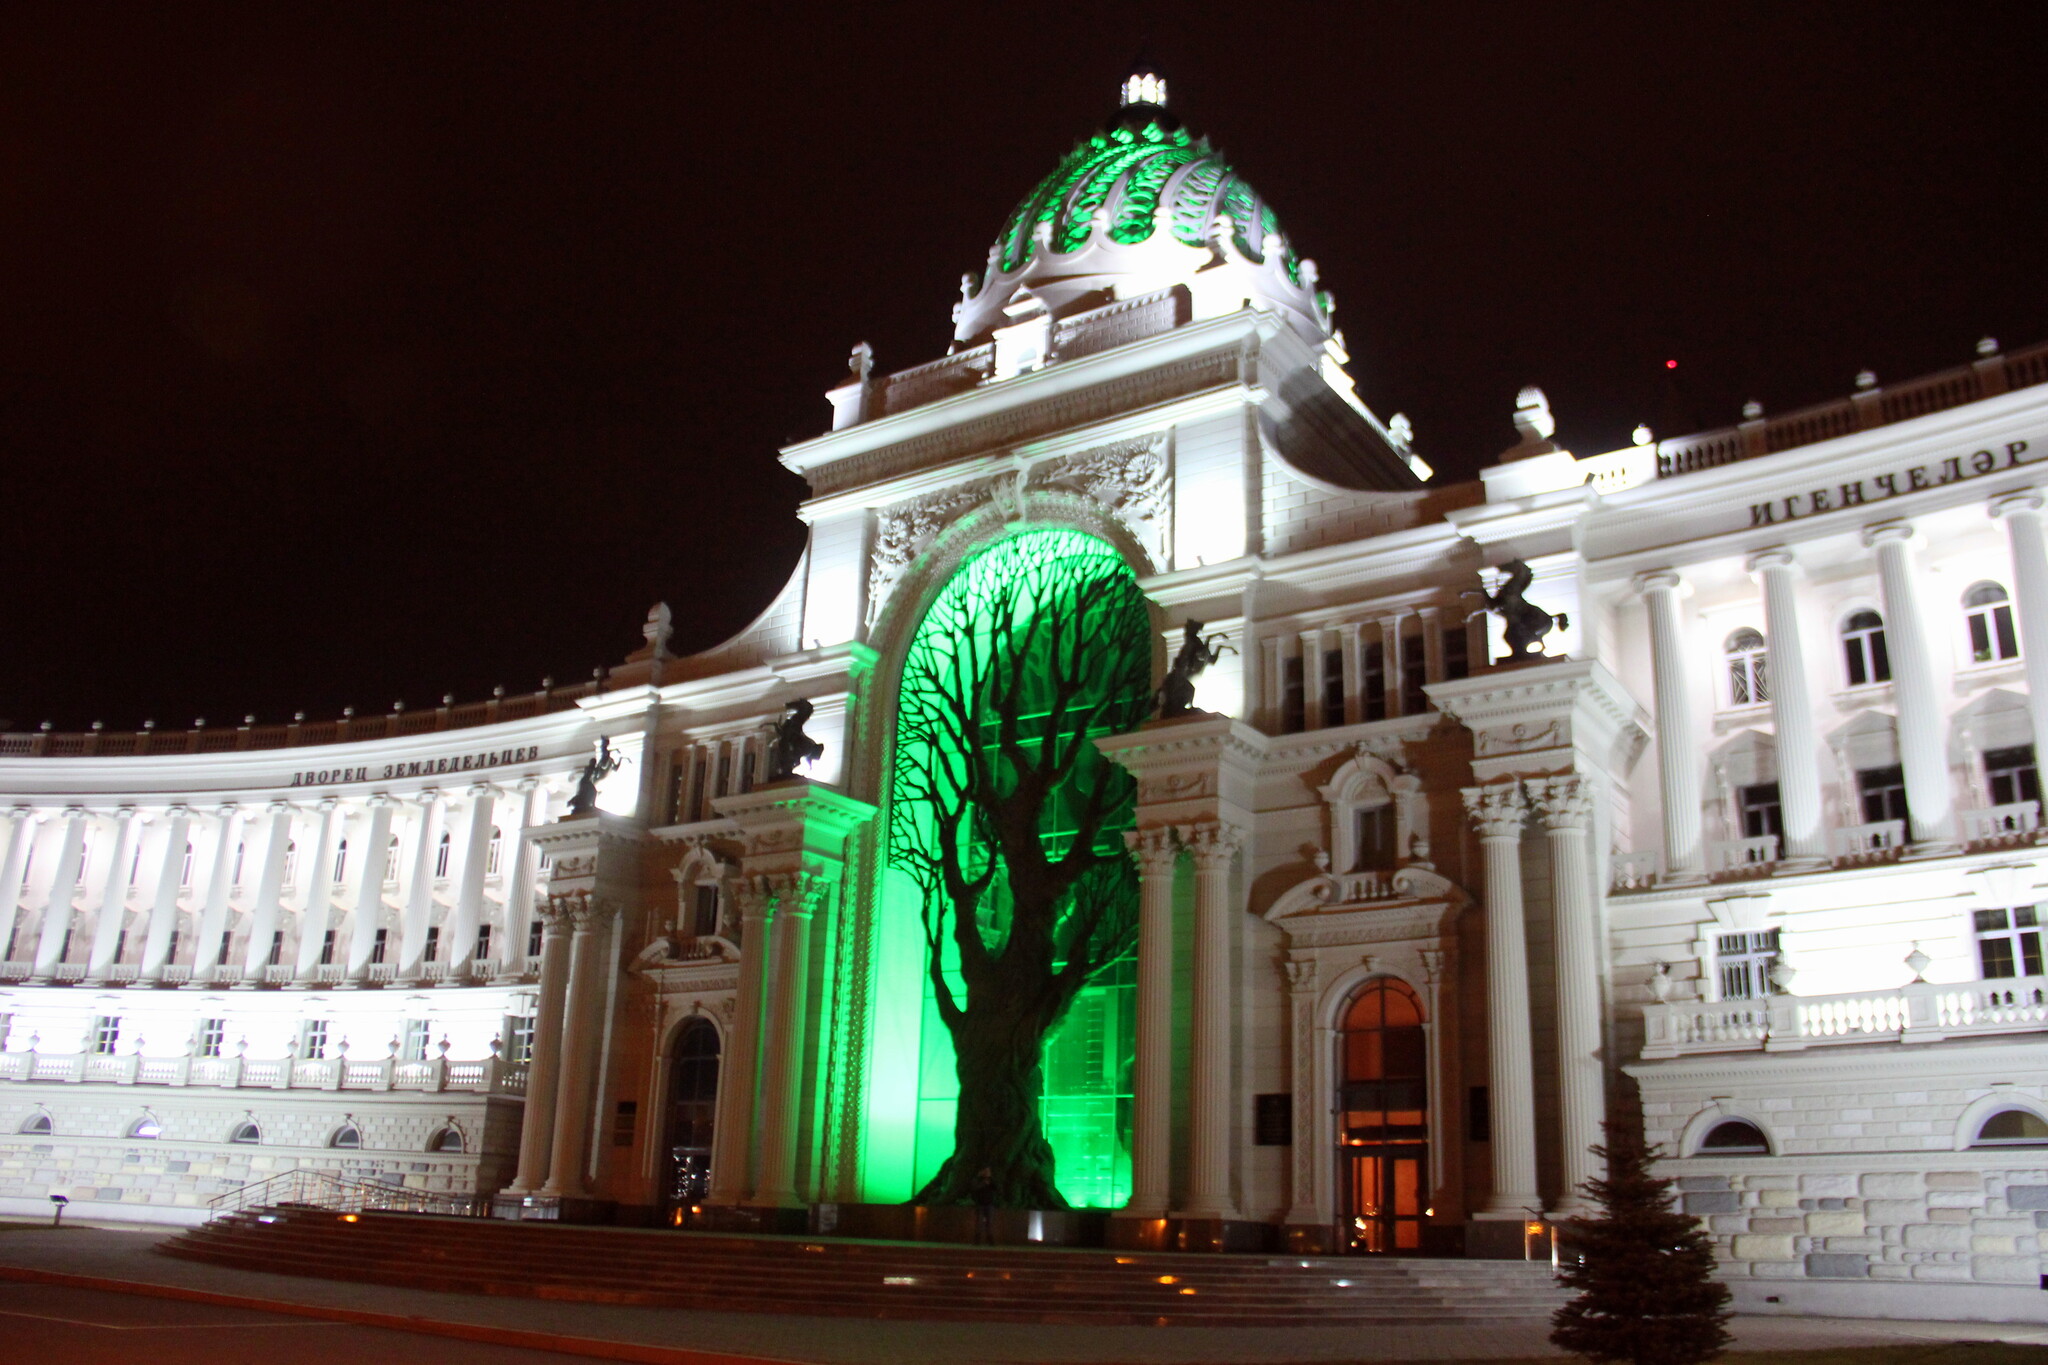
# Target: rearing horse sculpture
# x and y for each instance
(1524, 624)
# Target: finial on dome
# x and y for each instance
(1144, 87)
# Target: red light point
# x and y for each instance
(1670, 364)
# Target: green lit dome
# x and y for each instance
(1138, 207)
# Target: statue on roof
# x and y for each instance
(1176, 696)
(1524, 624)
(602, 764)
(790, 746)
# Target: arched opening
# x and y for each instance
(1384, 1103)
(446, 1140)
(692, 1107)
(348, 1135)
(1734, 1137)
(146, 1127)
(37, 1125)
(246, 1133)
(2013, 1128)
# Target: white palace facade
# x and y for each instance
(1754, 845)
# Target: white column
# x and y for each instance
(469, 894)
(1678, 759)
(1930, 797)
(1213, 846)
(1354, 673)
(519, 906)
(1799, 804)
(319, 912)
(783, 1033)
(1392, 666)
(732, 1137)
(369, 902)
(58, 910)
(1152, 1081)
(21, 837)
(1312, 680)
(1498, 812)
(577, 1086)
(544, 1068)
(2022, 514)
(106, 933)
(213, 916)
(1565, 806)
(419, 897)
(263, 920)
(163, 908)
(1312, 1177)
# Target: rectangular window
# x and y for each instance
(697, 781)
(106, 1035)
(380, 943)
(704, 916)
(391, 862)
(1991, 634)
(213, 1037)
(1373, 686)
(1745, 961)
(622, 1123)
(241, 851)
(483, 941)
(1293, 705)
(416, 1034)
(1457, 651)
(185, 867)
(1761, 813)
(533, 932)
(1375, 830)
(64, 952)
(227, 941)
(277, 947)
(724, 787)
(441, 854)
(340, 862)
(493, 852)
(2009, 942)
(1414, 673)
(121, 946)
(171, 948)
(313, 1040)
(747, 771)
(433, 949)
(1333, 687)
(2011, 775)
(327, 949)
(520, 1032)
(1884, 793)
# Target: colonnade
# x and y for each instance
(305, 879)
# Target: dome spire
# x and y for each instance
(1142, 83)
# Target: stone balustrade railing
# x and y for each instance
(327, 975)
(1923, 1012)
(2000, 826)
(491, 1076)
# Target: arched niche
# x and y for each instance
(1379, 815)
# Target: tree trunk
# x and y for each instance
(999, 1059)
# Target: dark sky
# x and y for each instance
(354, 353)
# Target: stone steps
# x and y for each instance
(722, 1272)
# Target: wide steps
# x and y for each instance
(864, 1279)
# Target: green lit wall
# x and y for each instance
(912, 1091)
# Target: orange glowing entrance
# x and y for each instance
(1384, 1102)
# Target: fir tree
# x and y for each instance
(1644, 1270)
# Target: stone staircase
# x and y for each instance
(871, 1279)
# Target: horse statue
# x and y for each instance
(1524, 623)
(790, 746)
(602, 764)
(1176, 696)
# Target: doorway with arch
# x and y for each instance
(1383, 1107)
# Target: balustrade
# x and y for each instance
(1997, 826)
(1632, 871)
(1921, 1012)
(1744, 855)
(492, 1075)
(1877, 842)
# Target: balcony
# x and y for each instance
(491, 1076)
(1881, 841)
(2008, 826)
(1743, 857)
(1923, 1012)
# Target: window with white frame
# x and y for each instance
(416, 1033)
(431, 950)
(348, 1135)
(1375, 833)
(1735, 1137)
(533, 933)
(213, 1036)
(246, 1132)
(1863, 649)
(1762, 812)
(313, 1039)
(146, 1128)
(2013, 1128)
(2009, 942)
(380, 944)
(495, 850)
(291, 863)
(1744, 654)
(483, 942)
(327, 948)
(340, 861)
(37, 1125)
(519, 1030)
(2011, 775)
(1745, 962)
(441, 857)
(185, 868)
(391, 861)
(1988, 613)
(704, 913)
(106, 1034)
(1883, 792)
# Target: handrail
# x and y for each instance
(341, 1194)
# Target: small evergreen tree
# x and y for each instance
(1644, 1270)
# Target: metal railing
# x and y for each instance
(342, 1194)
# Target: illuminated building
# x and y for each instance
(1756, 830)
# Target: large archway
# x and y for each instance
(689, 1120)
(1383, 1098)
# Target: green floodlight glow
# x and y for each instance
(1039, 643)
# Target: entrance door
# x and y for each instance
(692, 1105)
(1384, 1102)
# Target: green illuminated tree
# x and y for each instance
(1009, 820)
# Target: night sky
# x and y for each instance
(354, 354)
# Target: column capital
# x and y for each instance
(527, 783)
(1772, 557)
(1563, 803)
(22, 813)
(1897, 531)
(1301, 974)
(799, 893)
(74, 812)
(1212, 843)
(1497, 810)
(379, 801)
(227, 812)
(327, 804)
(125, 812)
(177, 810)
(1154, 850)
(479, 790)
(280, 807)
(1658, 580)
(590, 913)
(2016, 503)
(429, 797)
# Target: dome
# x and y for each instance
(1139, 207)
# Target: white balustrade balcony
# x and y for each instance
(1739, 857)
(227, 974)
(277, 974)
(380, 973)
(1923, 1012)
(68, 971)
(1878, 842)
(122, 973)
(491, 1076)
(16, 971)
(1633, 871)
(177, 973)
(330, 973)
(2002, 826)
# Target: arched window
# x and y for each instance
(441, 856)
(340, 859)
(291, 862)
(1990, 619)
(246, 1133)
(1863, 649)
(145, 1127)
(2013, 1128)
(348, 1135)
(391, 862)
(1734, 1137)
(1746, 682)
(445, 1140)
(37, 1125)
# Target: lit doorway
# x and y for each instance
(692, 1107)
(1384, 1104)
